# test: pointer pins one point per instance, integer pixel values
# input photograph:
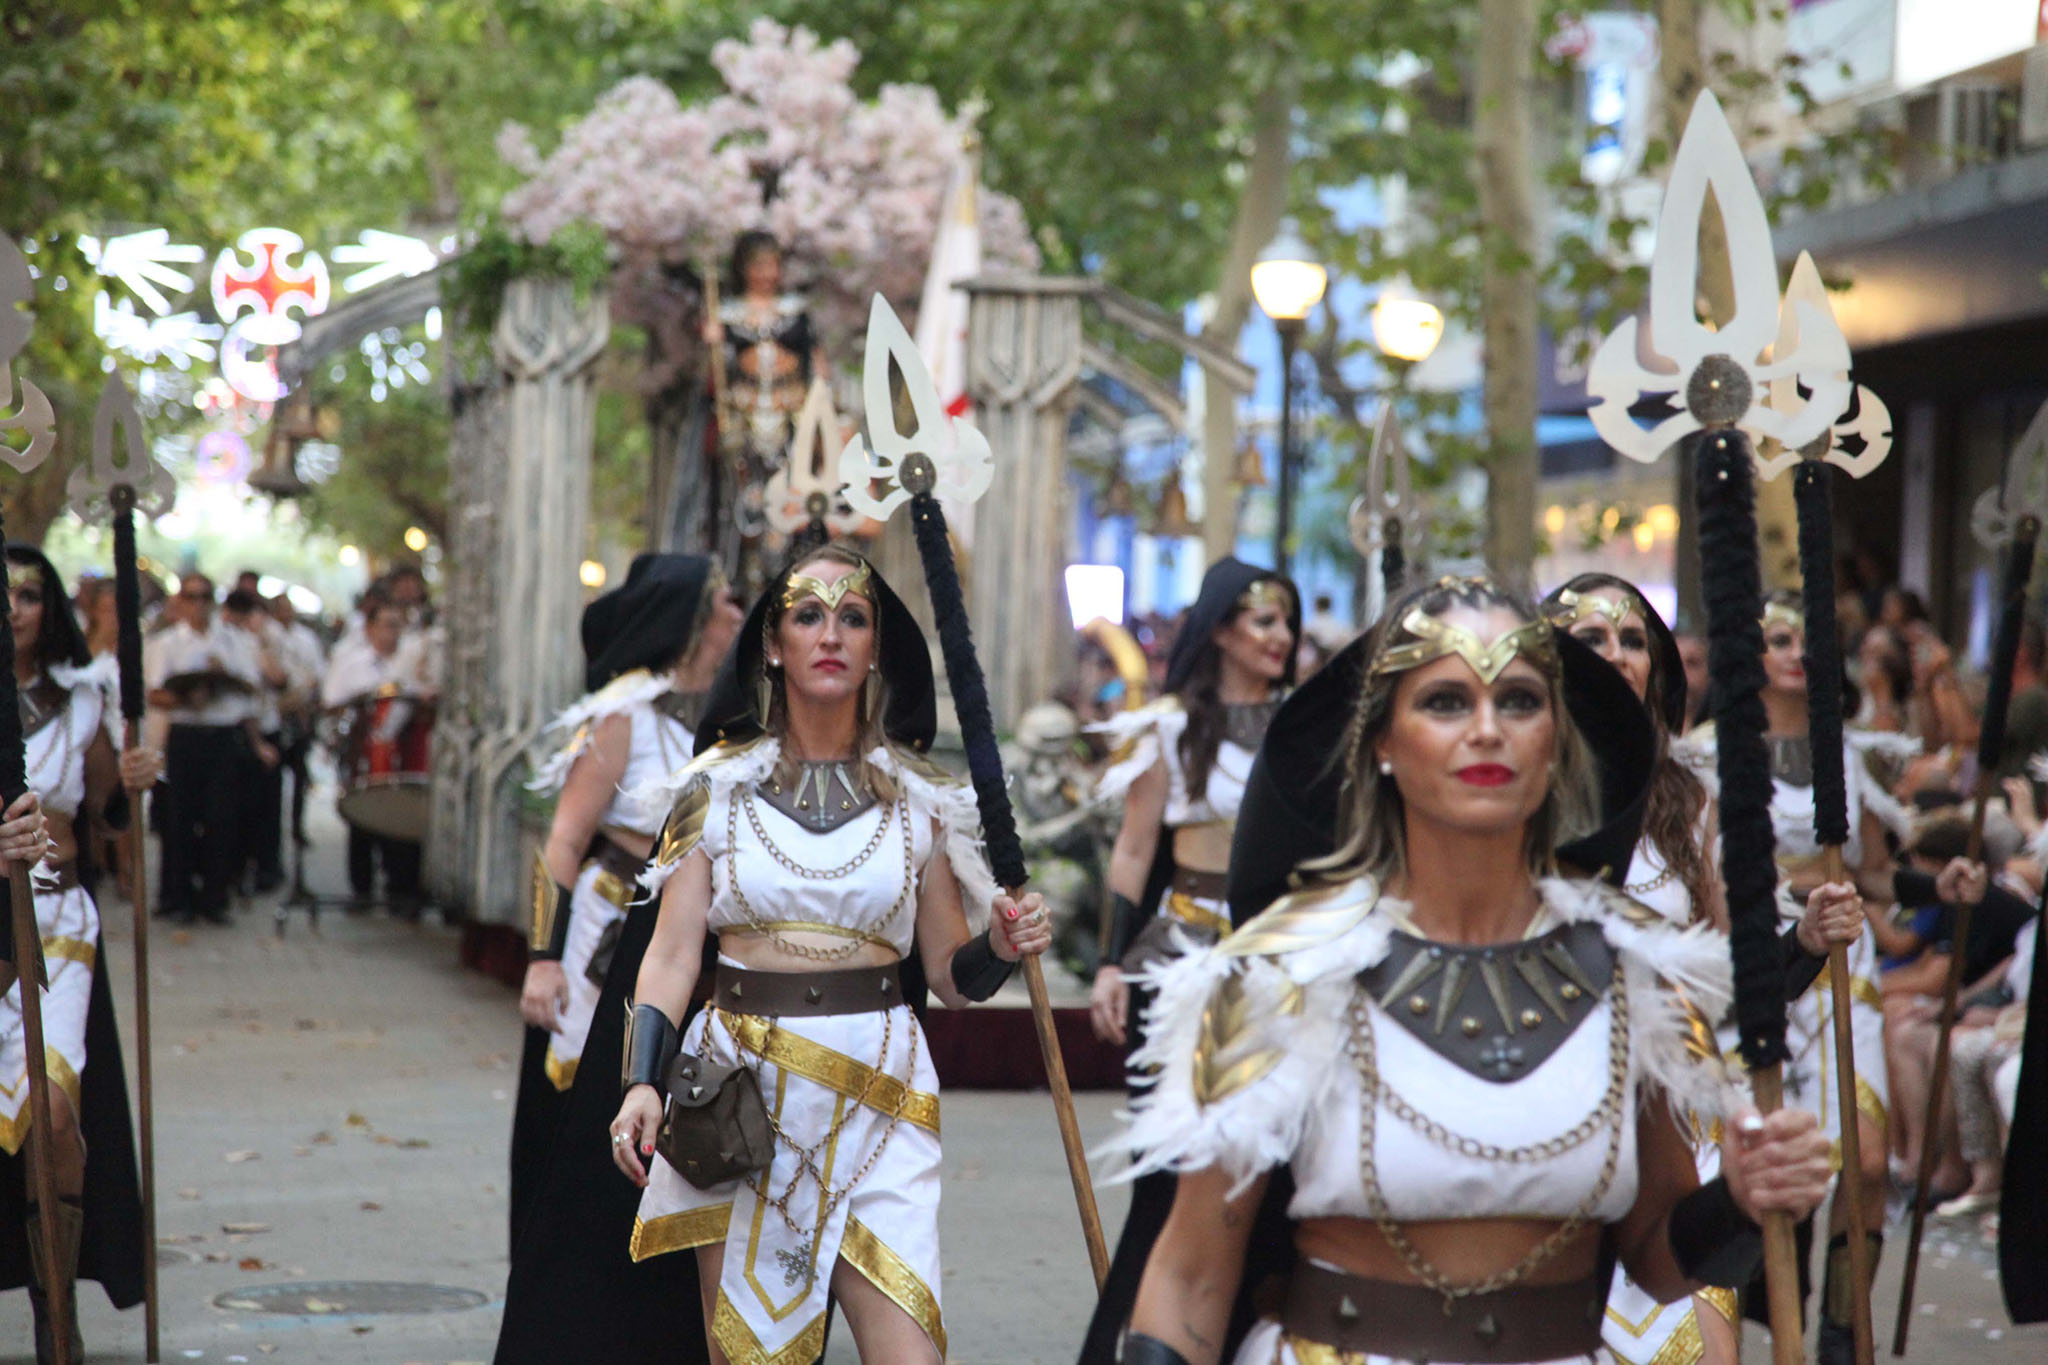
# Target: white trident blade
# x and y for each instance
(1369, 513)
(35, 419)
(2023, 490)
(806, 486)
(961, 466)
(119, 460)
(1716, 375)
(1867, 423)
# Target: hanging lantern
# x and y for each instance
(1116, 499)
(1251, 466)
(1173, 511)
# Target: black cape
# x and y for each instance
(111, 1248)
(2023, 1205)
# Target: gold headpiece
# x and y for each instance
(1436, 639)
(1267, 592)
(1784, 614)
(801, 586)
(1573, 607)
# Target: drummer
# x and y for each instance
(385, 659)
(203, 679)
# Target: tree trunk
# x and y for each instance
(1504, 134)
(1260, 207)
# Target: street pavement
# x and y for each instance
(333, 1108)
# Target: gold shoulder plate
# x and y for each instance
(684, 828)
(1304, 919)
(1225, 1059)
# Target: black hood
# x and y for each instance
(732, 711)
(62, 640)
(647, 621)
(1289, 815)
(1222, 585)
(1670, 700)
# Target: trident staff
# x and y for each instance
(38, 420)
(1720, 388)
(121, 478)
(1857, 442)
(947, 455)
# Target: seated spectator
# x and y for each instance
(1987, 1037)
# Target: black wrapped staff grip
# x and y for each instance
(127, 603)
(1810, 492)
(970, 692)
(1732, 584)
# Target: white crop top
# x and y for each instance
(711, 806)
(1259, 1065)
(1151, 735)
(660, 747)
(55, 753)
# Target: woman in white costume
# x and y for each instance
(1180, 771)
(838, 868)
(72, 769)
(1472, 1068)
(1809, 1072)
(651, 647)
(1673, 874)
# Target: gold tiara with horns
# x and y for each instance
(1436, 639)
(1784, 614)
(1573, 607)
(1267, 592)
(804, 585)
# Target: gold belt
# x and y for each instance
(613, 888)
(858, 1081)
(1190, 911)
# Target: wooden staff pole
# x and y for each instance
(28, 966)
(1810, 491)
(128, 611)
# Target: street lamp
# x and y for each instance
(1287, 281)
(1406, 328)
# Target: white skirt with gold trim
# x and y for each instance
(70, 925)
(591, 912)
(855, 1178)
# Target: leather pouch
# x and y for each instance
(714, 1125)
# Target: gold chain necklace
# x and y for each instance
(1608, 1112)
(759, 925)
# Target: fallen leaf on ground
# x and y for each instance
(356, 1121)
(240, 1155)
(266, 1348)
(244, 1229)
(251, 1263)
(216, 1257)
(302, 1151)
(305, 1025)
(372, 1206)
(360, 1331)
(322, 1306)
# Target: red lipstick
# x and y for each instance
(1487, 775)
(830, 666)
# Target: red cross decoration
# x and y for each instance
(278, 277)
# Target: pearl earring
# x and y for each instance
(1386, 767)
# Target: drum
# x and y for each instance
(384, 766)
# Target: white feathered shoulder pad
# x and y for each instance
(687, 793)
(1141, 738)
(1244, 1035)
(942, 796)
(578, 722)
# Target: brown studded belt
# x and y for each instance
(854, 990)
(1412, 1322)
